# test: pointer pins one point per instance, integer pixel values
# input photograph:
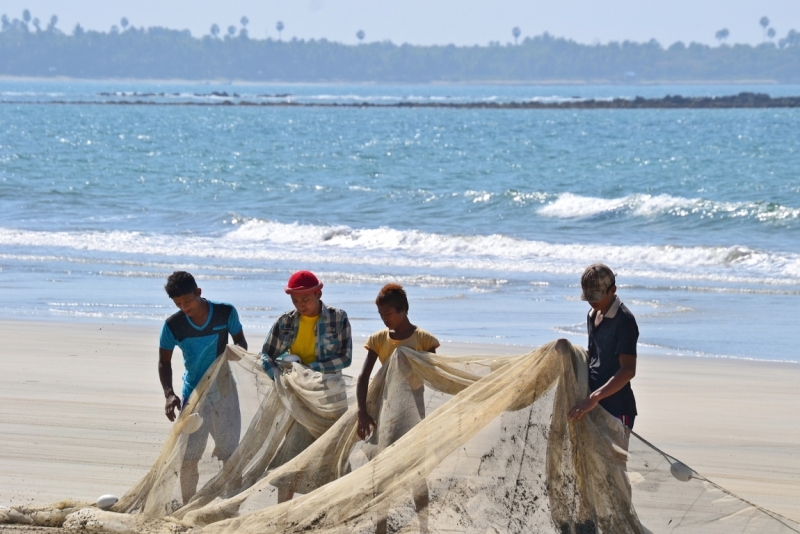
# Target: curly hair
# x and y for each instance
(393, 295)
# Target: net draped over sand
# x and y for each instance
(495, 452)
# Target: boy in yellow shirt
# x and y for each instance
(392, 305)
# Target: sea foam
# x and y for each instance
(572, 206)
(263, 240)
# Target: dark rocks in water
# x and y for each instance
(742, 100)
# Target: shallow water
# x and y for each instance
(488, 217)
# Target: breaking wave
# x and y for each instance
(263, 240)
(572, 206)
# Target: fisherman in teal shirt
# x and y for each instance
(201, 330)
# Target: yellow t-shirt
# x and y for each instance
(384, 346)
(305, 346)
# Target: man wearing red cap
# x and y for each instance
(315, 335)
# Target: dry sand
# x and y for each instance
(81, 413)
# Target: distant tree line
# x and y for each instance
(27, 48)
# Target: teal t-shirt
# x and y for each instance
(200, 344)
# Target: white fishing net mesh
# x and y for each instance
(463, 444)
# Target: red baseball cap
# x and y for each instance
(303, 282)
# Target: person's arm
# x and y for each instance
(366, 424)
(239, 339)
(235, 325)
(271, 350)
(344, 351)
(626, 372)
(165, 376)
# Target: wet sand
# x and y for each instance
(81, 413)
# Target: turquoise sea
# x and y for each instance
(488, 217)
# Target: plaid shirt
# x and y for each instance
(334, 346)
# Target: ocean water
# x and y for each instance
(488, 217)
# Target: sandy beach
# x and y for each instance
(82, 413)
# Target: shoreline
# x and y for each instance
(457, 347)
(82, 413)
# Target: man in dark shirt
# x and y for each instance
(613, 334)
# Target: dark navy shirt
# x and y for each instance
(616, 334)
(200, 344)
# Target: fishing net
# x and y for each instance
(463, 444)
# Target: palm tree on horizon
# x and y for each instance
(764, 22)
(771, 33)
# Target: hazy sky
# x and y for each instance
(462, 22)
